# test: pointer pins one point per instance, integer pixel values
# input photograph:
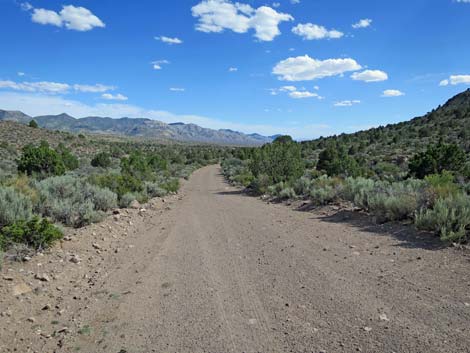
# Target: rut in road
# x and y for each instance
(230, 273)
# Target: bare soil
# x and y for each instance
(212, 270)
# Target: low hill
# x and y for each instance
(396, 143)
(139, 128)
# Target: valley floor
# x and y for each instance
(215, 271)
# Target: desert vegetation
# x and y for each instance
(49, 183)
(417, 172)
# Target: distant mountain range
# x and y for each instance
(139, 128)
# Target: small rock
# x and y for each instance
(117, 217)
(63, 330)
(67, 238)
(96, 246)
(383, 317)
(21, 288)
(367, 329)
(8, 278)
(31, 319)
(42, 277)
(134, 205)
(75, 259)
(27, 258)
(46, 307)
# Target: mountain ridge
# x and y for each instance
(139, 127)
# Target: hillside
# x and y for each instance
(396, 143)
(139, 128)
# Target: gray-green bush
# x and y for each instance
(13, 206)
(72, 201)
(450, 218)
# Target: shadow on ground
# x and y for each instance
(407, 235)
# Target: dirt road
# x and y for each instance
(222, 272)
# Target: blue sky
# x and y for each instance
(306, 68)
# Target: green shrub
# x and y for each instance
(33, 124)
(102, 160)
(126, 200)
(68, 159)
(450, 218)
(155, 190)
(120, 184)
(13, 206)
(323, 195)
(36, 233)
(302, 186)
(260, 184)
(280, 161)
(72, 201)
(396, 201)
(436, 159)
(171, 185)
(442, 185)
(287, 194)
(41, 161)
(358, 190)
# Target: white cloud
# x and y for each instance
(294, 92)
(26, 6)
(98, 88)
(233, 69)
(74, 18)
(310, 31)
(177, 89)
(364, 23)
(276, 4)
(53, 87)
(294, 2)
(219, 15)
(43, 86)
(392, 93)
(464, 1)
(370, 76)
(20, 73)
(157, 65)
(115, 97)
(46, 17)
(347, 103)
(169, 40)
(303, 94)
(456, 79)
(305, 68)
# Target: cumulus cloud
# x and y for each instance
(305, 68)
(114, 97)
(347, 103)
(370, 76)
(310, 31)
(70, 17)
(392, 93)
(364, 23)
(169, 40)
(456, 79)
(219, 15)
(232, 69)
(177, 89)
